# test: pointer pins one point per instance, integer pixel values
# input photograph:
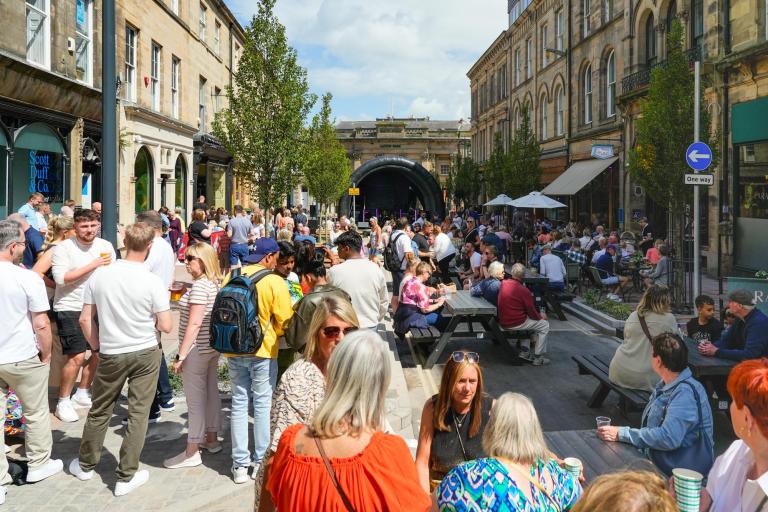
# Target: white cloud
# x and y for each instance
(413, 53)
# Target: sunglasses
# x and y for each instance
(333, 331)
(471, 357)
(189, 258)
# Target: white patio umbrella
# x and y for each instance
(537, 200)
(500, 200)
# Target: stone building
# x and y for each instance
(50, 101)
(175, 59)
(395, 163)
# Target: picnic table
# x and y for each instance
(541, 282)
(465, 308)
(712, 372)
(598, 457)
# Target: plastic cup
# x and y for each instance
(104, 255)
(573, 466)
(687, 489)
(603, 421)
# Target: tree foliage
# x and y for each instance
(466, 183)
(524, 169)
(268, 106)
(497, 168)
(324, 166)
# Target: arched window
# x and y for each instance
(671, 15)
(610, 85)
(142, 171)
(559, 114)
(544, 121)
(180, 175)
(517, 119)
(587, 87)
(650, 41)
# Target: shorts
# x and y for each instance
(71, 335)
(237, 253)
(373, 251)
(610, 280)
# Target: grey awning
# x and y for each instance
(577, 176)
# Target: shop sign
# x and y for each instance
(602, 151)
(43, 175)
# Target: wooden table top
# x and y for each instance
(598, 457)
(463, 303)
(706, 366)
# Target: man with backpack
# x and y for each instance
(254, 373)
(397, 254)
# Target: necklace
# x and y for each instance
(459, 422)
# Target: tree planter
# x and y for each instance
(604, 323)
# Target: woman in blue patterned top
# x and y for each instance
(519, 474)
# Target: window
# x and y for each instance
(38, 32)
(235, 55)
(175, 81)
(201, 103)
(588, 95)
(155, 77)
(610, 85)
(517, 66)
(586, 12)
(217, 38)
(517, 120)
(559, 30)
(748, 153)
(697, 23)
(650, 41)
(201, 31)
(607, 11)
(543, 129)
(444, 169)
(130, 64)
(528, 59)
(671, 15)
(216, 100)
(559, 118)
(175, 7)
(83, 40)
(543, 46)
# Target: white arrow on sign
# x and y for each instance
(695, 156)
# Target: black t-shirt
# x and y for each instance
(709, 332)
(195, 231)
(472, 237)
(423, 244)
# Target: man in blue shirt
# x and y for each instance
(747, 340)
(239, 231)
(29, 210)
(33, 240)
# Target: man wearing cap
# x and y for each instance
(747, 338)
(257, 374)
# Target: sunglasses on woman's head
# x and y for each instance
(333, 331)
(459, 356)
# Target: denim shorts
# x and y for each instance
(610, 280)
(237, 253)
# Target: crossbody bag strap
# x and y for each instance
(332, 473)
(644, 326)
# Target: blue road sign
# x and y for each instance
(699, 156)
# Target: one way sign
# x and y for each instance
(698, 156)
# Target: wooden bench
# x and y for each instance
(629, 399)
(430, 334)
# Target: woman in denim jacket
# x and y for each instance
(671, 418)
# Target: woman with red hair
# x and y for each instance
(739, 478)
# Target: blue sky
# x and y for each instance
(407, 57)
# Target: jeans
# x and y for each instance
(164, 390)
(255, 377)
(237, 253)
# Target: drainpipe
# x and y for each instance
(568, 60)
(725, 153)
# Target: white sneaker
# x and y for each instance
(66, 412)
(182, 461)
(140, 478)
(50, 468)
(255, 471)
(214, 447)
(82, 400)
(540, 361)
(75, 469)
(526, 355)
(240, 474)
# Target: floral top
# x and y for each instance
(485, 484)
(415, 293)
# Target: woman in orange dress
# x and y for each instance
(344, 443)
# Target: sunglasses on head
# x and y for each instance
(333, 331)
(471, 357)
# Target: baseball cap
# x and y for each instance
(743, 297)
(263, 247)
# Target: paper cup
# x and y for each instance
(687, 489)
(573, 466)
(603, 421)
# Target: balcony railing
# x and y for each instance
(642, 78)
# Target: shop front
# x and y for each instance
(38, 163)
(212, 171)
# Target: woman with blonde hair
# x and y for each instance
(627, 491)
(453, 421)
(374, 242)
(342, 460)
(302, 387)
(196, 360)
(519, 472)
(631, 366)
(59, 229)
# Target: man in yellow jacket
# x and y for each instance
(256, 375)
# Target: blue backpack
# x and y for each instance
(235, 326)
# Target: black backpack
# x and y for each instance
(391, 261)
(235, 326)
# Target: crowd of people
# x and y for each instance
(316, 383)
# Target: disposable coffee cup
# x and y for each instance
(687, 489)
(573, 466)
(603, 421)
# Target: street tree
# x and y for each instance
(324, 164)
(497, 168)
(524, 170)
(466, 184)
(268, 106)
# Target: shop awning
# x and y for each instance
(577, 177)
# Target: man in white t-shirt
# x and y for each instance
(401, 244)
(25, 354)
(161, 262)
(552, 267)
(132, 304)
(475, 260)
(74, 260)
(362, 279)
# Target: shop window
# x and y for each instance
(38, 166)
(142, 172)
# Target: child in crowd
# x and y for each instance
(705, 327)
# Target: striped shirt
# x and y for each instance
(203, 291)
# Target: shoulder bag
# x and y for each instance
(332, 473)
(644, 326)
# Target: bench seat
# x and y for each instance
(629, 399)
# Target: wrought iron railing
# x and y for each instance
(642, 78)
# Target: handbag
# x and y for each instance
(644, 326)
(332, 473)
(698, 456)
